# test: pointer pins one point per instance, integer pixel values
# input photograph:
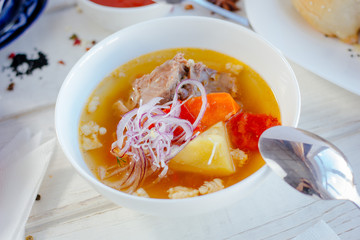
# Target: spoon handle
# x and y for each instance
(355, 198)
(356, 201)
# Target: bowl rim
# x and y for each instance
(92, 4)
(261, 171)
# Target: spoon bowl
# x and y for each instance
(309, 163)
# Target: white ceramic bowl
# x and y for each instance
(114, 18)
(129, 43)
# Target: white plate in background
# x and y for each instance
(279, 22)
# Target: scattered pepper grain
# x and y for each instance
(38, 197)
(11, 86)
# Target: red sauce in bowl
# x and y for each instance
(123, 3)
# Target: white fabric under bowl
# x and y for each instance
(172, 32)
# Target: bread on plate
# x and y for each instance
(334, 18)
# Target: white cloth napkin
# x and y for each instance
(23, 164)
(319, 231)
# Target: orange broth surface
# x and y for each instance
(254, 94)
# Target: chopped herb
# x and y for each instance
(73, 37)
(120, 161)
(76, 39)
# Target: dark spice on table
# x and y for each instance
(353, 52)
(38, 197)
(21, 64)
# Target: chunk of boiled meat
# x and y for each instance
(162, 81)
(213, 81)
(221, 82)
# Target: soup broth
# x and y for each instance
(254, 96)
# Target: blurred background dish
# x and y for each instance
(330, 58)
(113, 16)
(9, 11)
(16, 16)
(335, 18)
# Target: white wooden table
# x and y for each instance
(70, 209)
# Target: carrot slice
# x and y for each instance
(220, 107)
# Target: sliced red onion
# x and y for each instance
(146, 135)
(203, 98)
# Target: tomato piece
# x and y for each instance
(245, 129)
(186, 115)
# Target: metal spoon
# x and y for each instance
(308, 163)
(223, 12)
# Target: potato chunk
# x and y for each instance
(208, 154)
